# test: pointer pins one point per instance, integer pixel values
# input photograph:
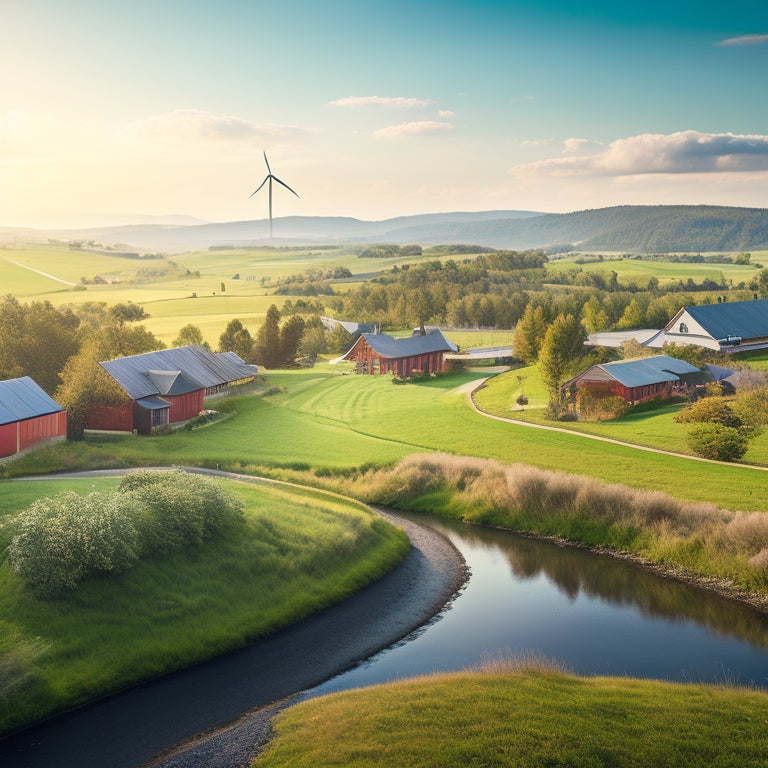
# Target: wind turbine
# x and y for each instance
(270, 176)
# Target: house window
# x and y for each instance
(683, 328)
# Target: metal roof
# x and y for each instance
(172, 382)
(24, 399)
(196, 364)
(747, 319)
(153, 403)
(639, 372)
(389, 347)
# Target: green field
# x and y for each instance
(653, 427)
(529, 718)
(325, 420)
(297, 552)
(639, 271)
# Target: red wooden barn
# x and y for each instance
(167, 386)
(28, 416)
(380, 353)
(636, 381)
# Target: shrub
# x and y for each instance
(66, 538)
(179, 509)
(715, 441)
(714, 410)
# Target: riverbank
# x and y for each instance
(138, 725)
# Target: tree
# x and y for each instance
(227, 339)
(529, 333)
(190, 335)
(128, 313)
(267, 347)
(290, 338)
(715, 441)
(563, 345)
(84, 383)
(36, 340)
(242, 345)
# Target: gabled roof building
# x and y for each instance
(637, 381)
(736, 326)
(378, 353)
(28, 416)
(167, 386)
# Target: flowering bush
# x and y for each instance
(64, 539)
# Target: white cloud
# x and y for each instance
(677, 153)
(399, 102)
(745, 40)
(446, 114)
(417, 128)
(198, 126)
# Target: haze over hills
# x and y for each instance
(638, 229)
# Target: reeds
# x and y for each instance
(580, 508)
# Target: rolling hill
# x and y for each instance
(632, 229)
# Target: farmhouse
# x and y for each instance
(167, 386)
(732, 326)
(379, 353)
(635, 381)
(28, 416)
(736, 326)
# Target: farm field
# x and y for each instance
(191, 290)
(296, 552)
(666, 272)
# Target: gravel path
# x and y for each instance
(141, 726)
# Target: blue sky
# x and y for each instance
(114, 110)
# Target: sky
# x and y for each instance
(112, 112)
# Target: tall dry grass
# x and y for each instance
(699, 536)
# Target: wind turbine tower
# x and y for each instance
(269, 178)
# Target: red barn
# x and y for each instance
(28, 416)
(167, 386)
(380, 353)
(636, 381)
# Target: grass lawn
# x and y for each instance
(297, 552)
(654, 428)
(529, 718)
(323, 420)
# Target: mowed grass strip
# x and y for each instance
(530, 718)
(297, 552)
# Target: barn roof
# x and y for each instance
(389, 347)
(748, 319)
(197, 367)
(639, 372)
(24, 399)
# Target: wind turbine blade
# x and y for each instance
(285, 185)
(259, 187)
(269, 170)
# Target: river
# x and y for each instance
(595, 614)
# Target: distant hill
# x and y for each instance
(629, 229)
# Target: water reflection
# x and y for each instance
(595, 613)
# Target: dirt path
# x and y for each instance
(471, 387)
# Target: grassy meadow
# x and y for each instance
(652, 427)
(666, 272)
(324, 421)
(297, 552)
(524, 718)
